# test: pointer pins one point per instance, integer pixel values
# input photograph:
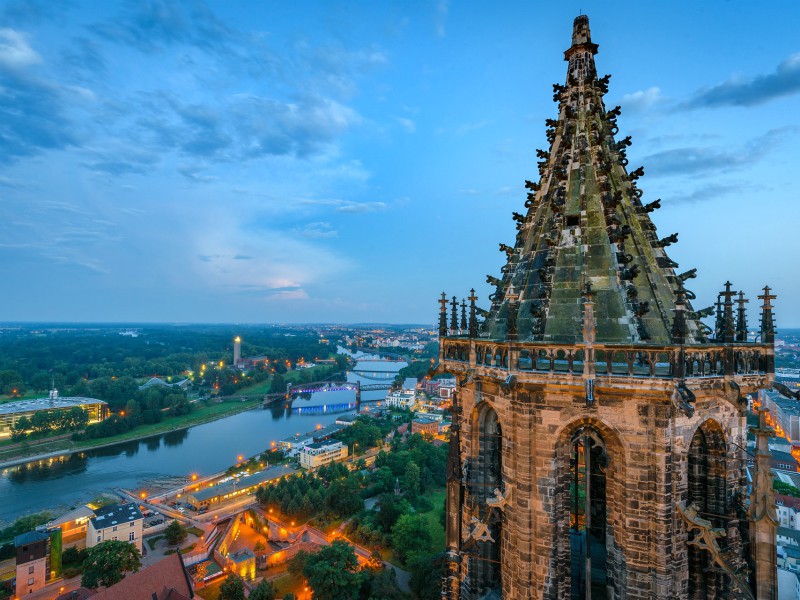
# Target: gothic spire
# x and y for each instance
(585, 222)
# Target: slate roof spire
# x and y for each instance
(585, 223)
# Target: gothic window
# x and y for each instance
(707, 491)
(488, 477)
(587, 522)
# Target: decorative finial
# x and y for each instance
(454, 315)
(741, 318)
(473, 318)
(443, 315)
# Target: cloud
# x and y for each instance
(407, 124)
(702, 194)
(705, 160)
(317, 230)
(738, 91)
(641, 100)
(33, 117)
(471, 192)
(15, 52)
(83, 59)
(361, 207)
(299, 294)
(192, 172)
(242, 257)
(442, 8)
(151, 25)
(505, 190)
(346, 206)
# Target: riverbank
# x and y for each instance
(63, 446)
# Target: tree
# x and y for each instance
(410, 535)
(232, 588)
(410, 482)
(390, 511)
(344, 497)
(263, 591)
(278, 384)
(333, 572)
(175, 533)
(426, 575)
(107, 562)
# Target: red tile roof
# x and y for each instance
(161, 578)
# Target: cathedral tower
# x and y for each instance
(597, 448)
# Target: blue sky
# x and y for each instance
(248, 161)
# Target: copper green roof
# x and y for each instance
(585, 224)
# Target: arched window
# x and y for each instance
(488, 477)
(707, 491)
(587, 524)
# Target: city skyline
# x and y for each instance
(249, 163)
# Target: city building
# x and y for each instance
(33, 562)
(247, 484)
(346, 420)
(785, 413)
(400, 399)
(291, 445)
(425, 426)
(121, 522)
(599, 428)
(237, 351)
(11, 412)
(322, 453)
(72, 522)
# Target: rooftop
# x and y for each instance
(115, 514)
(23, 406)
(31, 537)
(165, 579)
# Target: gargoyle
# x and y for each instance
(670, 239)
(614, 112)
(640, 309)
(703, 313)
(493, 280)
(624, 142)
(690, 274)
(509, 384)
(634, 175)
(507, 249)
(482, 312)
(651, 206)
(499, 500)
(531, 185)
(629, 274)
(519, 218)
(623, 258)
(684, 399)
(543, 154)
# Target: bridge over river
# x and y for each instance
(313, 388)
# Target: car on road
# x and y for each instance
(181, 509)
(203, 509)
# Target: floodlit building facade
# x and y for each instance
(11, 412)
(322, 453)
(122, 522)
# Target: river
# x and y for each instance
(61, 483)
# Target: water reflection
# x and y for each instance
(204, 449)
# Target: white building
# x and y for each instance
(322, 453)
(401, 399)
(121, 522)
(291, 445)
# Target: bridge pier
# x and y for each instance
(358, 396)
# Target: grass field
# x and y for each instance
(436, 497)
(201, 414)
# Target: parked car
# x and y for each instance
(181, 509)
(203, 509)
